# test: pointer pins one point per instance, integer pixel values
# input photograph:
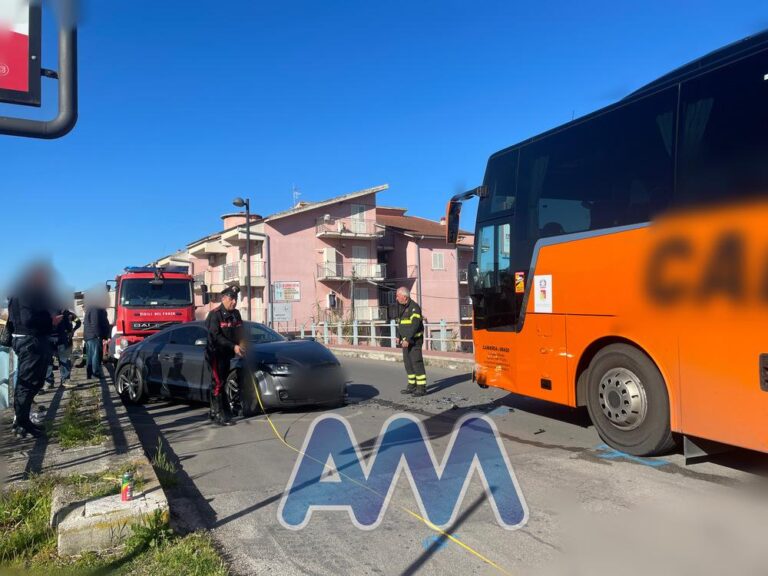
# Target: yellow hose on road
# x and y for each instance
(408, 511)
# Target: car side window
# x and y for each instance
(188, 335)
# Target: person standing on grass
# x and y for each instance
(96, 330)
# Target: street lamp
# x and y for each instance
(239, 203)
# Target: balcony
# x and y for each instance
(465, 310)
(351, 270)
(200, 279)
(347, 228)
(237, 236)
(370, 313)
(205, 249)
(236, 273)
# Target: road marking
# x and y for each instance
(607, 453)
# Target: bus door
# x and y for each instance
(493, 298)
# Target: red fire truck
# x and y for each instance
(148, 299)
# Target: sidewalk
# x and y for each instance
(450, 360)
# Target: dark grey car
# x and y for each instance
(288, 373)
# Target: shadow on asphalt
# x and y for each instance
(438, 543)
(185, 494)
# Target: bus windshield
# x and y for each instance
(137, 292)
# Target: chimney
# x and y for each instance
(442, 221)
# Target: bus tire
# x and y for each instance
(628, 401)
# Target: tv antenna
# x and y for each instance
(296, 193)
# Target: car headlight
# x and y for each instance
(278, 368)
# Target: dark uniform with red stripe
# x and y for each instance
(410, 327)
(225, 331)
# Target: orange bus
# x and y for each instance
(621, 260)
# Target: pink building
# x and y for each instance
(417, 256)
(339, 259)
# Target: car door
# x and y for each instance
(182, 362)
(151, 351)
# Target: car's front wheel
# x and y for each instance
(130, 384)
(232, 391)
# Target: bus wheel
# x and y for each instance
(628, 401)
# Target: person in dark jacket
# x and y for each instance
(225, 336)
(61, 340)
(30, 313)
(410, 333)
(96, 330)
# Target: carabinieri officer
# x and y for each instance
(225, 333)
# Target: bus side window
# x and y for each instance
(724, 142)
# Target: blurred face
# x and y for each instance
(402, 298)
(228, 302)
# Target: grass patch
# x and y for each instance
(28, 546)
(164, 468)
(24, 514)
(80, 425)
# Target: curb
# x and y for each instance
(92, 525)
(449, 362)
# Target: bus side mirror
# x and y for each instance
(452, 213)
(206, 296)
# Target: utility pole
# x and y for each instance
(239, 203)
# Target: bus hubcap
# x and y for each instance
(622, 398)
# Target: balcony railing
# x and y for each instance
(466, 311)
(347, 270)
(347, 227)
(237, 271)
(368, 313)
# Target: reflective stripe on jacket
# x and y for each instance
(410, 324)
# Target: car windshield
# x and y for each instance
(260, 334)
(140, 293)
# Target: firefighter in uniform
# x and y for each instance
(225, 332)
(410, 333)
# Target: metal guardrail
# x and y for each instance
(438, 336)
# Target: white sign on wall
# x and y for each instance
(282, 312)
(542, 286)
(286, 291)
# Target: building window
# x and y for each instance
(438, 261)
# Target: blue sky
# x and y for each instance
(185, 105)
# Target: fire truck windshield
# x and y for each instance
(139, 293)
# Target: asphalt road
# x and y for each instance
(591, 510)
